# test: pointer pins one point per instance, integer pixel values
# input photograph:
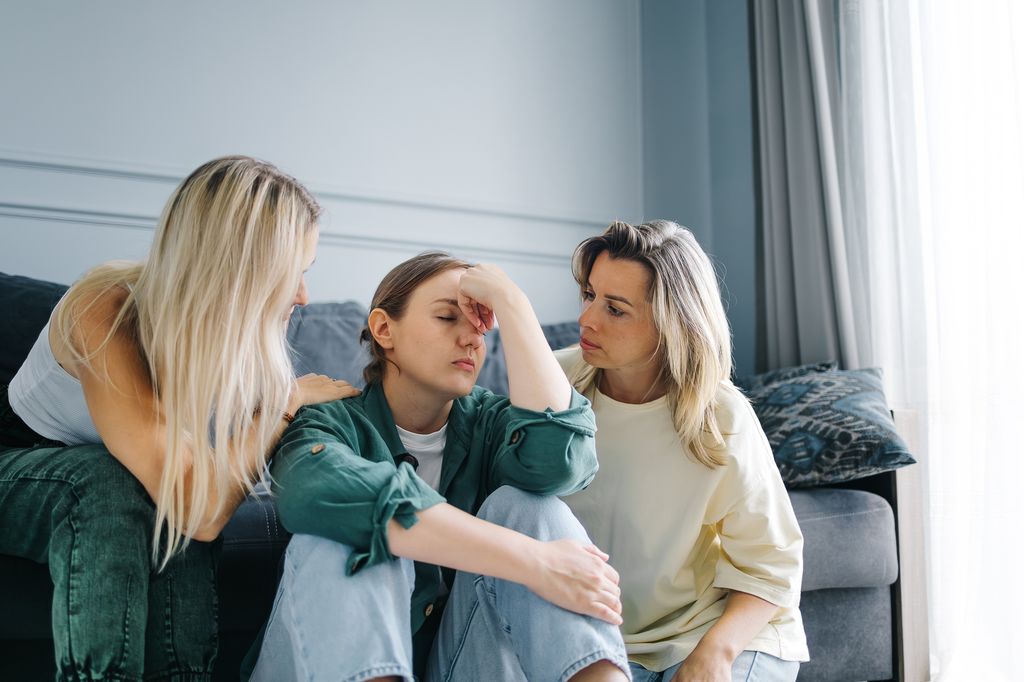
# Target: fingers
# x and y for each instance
(602, 611)
(593, 549)
(469, 308)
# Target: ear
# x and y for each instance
(379, 325)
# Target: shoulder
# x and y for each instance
(92, 314)
(745, 443)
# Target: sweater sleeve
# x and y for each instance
(551, 453)
(334, 478)
(761, 543)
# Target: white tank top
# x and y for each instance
(49, 400)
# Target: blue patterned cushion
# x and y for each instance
(829, 426)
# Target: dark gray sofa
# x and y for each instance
(850, 549)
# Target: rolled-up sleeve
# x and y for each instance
(762, 546)
(325, 488)
(550, 453)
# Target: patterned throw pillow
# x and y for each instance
(829, 426)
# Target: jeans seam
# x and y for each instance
(380, 671)
(593, 657)
(462, 638)
(749, 677)
(172, 650)
(72, 569)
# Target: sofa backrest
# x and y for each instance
(27, 304)
(325, 340)
(324, 337)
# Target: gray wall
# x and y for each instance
(698, 141)
(504, 131)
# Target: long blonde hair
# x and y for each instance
(694, 342)
(208, 311)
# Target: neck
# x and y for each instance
(633, 386)
(413, 408)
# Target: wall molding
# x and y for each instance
(148, 223)
(40, 161)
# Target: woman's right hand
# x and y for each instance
(311, 389)
(577, 577)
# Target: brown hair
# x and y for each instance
(392, 296)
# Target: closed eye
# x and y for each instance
(615, 312)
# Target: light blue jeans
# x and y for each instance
(749, 666)
(329, 626)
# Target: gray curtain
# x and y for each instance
(805, 307)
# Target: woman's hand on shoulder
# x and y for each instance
(577, 577)
(484, 288)
(311, 389)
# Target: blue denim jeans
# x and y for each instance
(326, 625)
(749, 666)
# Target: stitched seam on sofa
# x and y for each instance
(842, 516)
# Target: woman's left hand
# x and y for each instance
(704, 666)
(311, 389)
(480, 290)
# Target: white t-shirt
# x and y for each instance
(428, 449)
(681, 535)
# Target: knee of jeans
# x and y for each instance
(107, 484)
(540, 516)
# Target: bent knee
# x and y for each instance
(544, 517)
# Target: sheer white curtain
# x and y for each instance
(932, 146)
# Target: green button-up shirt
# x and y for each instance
(335, 475)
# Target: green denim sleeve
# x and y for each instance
(550, 453)
(335, 478)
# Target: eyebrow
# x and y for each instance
(449, 301)
(612, 297)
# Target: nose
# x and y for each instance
(302, 295)
(470, 336)
(586, 316)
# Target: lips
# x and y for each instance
(588, 345)
(466, 364)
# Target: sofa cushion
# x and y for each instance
(829, 427)
(324, 338)
(27, 304)
(849, 538)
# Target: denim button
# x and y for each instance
(429, 610)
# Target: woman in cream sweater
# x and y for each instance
(688, 502)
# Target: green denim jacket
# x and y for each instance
(335, 475)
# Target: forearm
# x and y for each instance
(535, 379)
(745, 615)
(447, 536)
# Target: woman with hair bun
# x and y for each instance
(429, 540)
(689, 503)
(145, 412)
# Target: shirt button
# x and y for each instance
(429, 610)
(317, 449)
(515, 437)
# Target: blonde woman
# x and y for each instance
(689, 503)
(144, 413)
